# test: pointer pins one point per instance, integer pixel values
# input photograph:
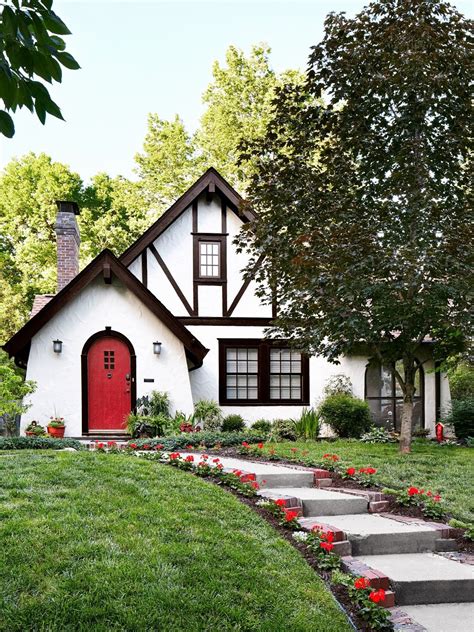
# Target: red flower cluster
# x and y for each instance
(245, 444)
(99, 445)
(294, 450)
(260, 446)
(216, 460)
(351, 471)
(290, 515)
(327, 546)
(331, 457)
(189, 447)
(361, 583)
(414, 491)
(146, 447)
(133, 446)
(377, 595)
(159, 446)
(367, 470)
(111, 444)
(174, 456)
(281, 502)
(189, 458)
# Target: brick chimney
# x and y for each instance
(68, 240)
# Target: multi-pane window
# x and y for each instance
(209, 259)
(385, 397)
(109, 359)
(285, 374)
(262, 372)
(241, 373)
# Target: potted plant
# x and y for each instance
(34, 430)
(56, 427)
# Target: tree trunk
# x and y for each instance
(407, 410)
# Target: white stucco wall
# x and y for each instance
(59, 375)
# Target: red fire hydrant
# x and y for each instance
(439, 429)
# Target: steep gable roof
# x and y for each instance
(105, 264)
(210, 181)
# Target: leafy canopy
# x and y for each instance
(365, 200)
(30, 49)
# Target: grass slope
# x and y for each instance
(97, 542)
(448, 470)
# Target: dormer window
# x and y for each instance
(210, 260)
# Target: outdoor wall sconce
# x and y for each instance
(157, 348)
(57, 346)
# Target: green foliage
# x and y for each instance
(461, 417)
(36, 429)
(283, 429)
(169, 163)
(38, 443)
(378, 435)
(208, 414)
(469, 528)
(308, 425)
(13, 391)
(30, 49)
(348, 416)
(200, 439)
(233, 423)
(365, 201)
(461, 381)
(262, 425)
(151, 425)
(376, 615)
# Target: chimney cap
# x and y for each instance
(65, 206)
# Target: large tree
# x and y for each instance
(30, 49)
(364, 202)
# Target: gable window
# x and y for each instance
(385, 397)
(262, 372)
(209, 259)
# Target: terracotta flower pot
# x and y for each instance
(56, 432)
(30, 434)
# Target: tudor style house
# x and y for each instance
(175, 314)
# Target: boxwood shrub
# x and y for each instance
(348, 416)
(196, 439)
(38, 443)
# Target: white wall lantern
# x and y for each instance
(157, 348)
(57, 346)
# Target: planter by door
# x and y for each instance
(108, 383)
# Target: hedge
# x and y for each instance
(196, 439)
(38, 443)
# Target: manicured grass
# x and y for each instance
(447, 470)
(112, 542)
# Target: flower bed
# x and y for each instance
(199, 440)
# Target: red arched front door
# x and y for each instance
(109, 384)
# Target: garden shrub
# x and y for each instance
(233, 423)
(262, 425)
(208, 414)
(461, 417)
(284, 429)
(348, 416)
(200, 439)
(38, 443)
(461, 381)
(308, 425)
(378, 435)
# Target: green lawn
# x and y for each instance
(447, 470)
(110, 542)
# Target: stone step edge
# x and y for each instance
(402, 622)
(376, 578)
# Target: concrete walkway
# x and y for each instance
(393, 552)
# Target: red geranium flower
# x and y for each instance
(219, 466)
(329, 536)
(238, 473)
(215, 460)
(133, 445)
(189, 447)
(281, 502)
(377, 595)
(290, 515)
(361, 582)
(294, 450)
(245, 444)
(351, 471)
(437, 498)
(160, 446)
(146, 446)
(316, 527)
(260, 446)
(255, 485)
(413, 491)
(189, 458)
(327, 546)
(174, 456)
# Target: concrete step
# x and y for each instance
(317, 502)
(443, 617)
(424, 578)
(372, 534)
(267, 474)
